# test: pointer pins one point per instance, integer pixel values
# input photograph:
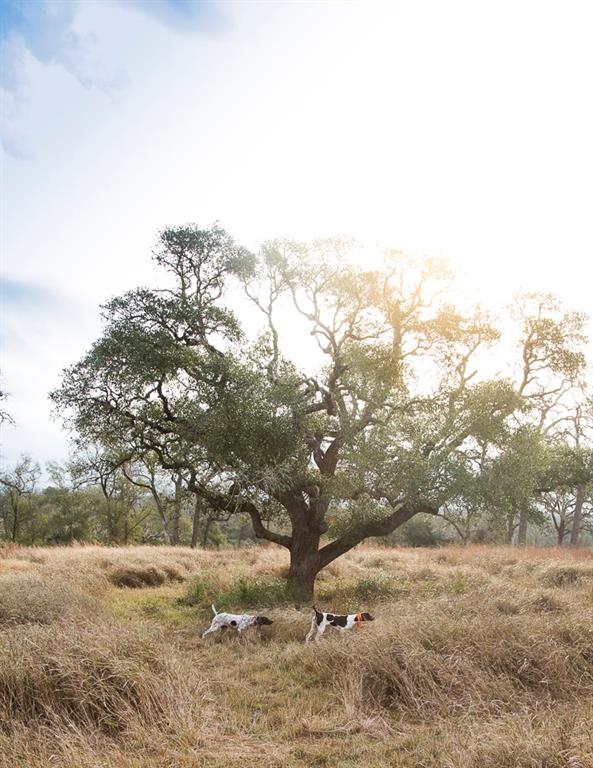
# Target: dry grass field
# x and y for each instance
(479, 658)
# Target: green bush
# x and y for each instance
(351, 595)
(372, 587)
(199, 591)
(419, 532)
(265, 592)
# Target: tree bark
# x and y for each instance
(112, 526)
(195, 523)
(176, 512)
(304, 565)
(15, 522)
(161, 510)
(240, 534)
(206, 532)
(522, 532)
(510, 527)
(576, 518)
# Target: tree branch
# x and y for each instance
(260, 530)
(354, 536)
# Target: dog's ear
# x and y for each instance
(263, 620)
(367, 617)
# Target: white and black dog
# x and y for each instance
(238, 621)
(323, 620)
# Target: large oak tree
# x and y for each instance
(384, 423)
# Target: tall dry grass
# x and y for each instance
(479, 658)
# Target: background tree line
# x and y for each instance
(86, 501)
(92, 499)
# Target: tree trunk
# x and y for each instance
(162, 514)
(15, 522)
(561, 531)
(195, 523)
(510, 527)
(176, 513)
(304, 565)
(576, 518)
(112, 523)
(522, 533)
(206, 532)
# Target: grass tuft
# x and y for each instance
(98, 675)
(28, 598)
(136, 576)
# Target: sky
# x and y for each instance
(459, 129)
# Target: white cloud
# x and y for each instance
(460, 129)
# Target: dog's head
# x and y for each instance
(367, 617)
(260, 620)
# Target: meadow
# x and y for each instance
(480, 657)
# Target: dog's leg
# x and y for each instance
(320, 630)
(212, 628)
(312, 630)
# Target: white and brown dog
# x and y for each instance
(238, 621)
(321, 621)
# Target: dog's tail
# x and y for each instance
(317, 612)
(214, 611)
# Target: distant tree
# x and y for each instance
(166, 489)
(505, 478)
(512, 480)
(16, 507)
(383, 430)
(122, 507)
(67, 505)
(420, 532)
(214, 535)
(5, 417)
(567, 481)
(553, 365)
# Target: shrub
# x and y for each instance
(542, 602)
(262, 591)
(201, 590)
(136, 576)
(563, 575)
(419, 532)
